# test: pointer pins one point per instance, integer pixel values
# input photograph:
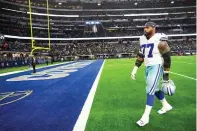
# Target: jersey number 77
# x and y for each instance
(149, 46)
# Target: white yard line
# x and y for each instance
(13, 72)
(83, 117)
(184, 76)
(183, 62)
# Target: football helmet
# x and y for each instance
(168, 87)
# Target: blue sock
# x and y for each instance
(159, 95)
(150, 100)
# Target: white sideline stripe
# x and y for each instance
(183, 75)
(13, 72)
(83, 117)
(183, 62)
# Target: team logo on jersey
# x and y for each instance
(11, 97)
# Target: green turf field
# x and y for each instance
(119, 101)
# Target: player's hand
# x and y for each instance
(165, 81)
(134, 71)
(166, 78)
(132, 76)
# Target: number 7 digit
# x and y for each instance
(150, 54)
(143, 48)
(151, 46)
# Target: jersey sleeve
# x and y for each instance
(163, 37)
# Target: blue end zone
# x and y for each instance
(54, 105)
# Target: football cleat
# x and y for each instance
(165, 109)
(142, 122)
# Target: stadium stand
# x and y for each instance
(88, 19)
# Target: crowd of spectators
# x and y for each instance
(15, 21)
(92, 48)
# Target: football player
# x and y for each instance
(155, 53)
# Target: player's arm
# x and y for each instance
(166, 54)
(138, 63)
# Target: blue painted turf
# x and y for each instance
(54, 104)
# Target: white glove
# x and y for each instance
(133, 76)
(134, 72)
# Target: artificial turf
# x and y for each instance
(120, 101)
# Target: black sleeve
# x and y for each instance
(167, 59)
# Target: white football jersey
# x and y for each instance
(150, 49)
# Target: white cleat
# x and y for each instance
(142, 122)
(165, 109)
